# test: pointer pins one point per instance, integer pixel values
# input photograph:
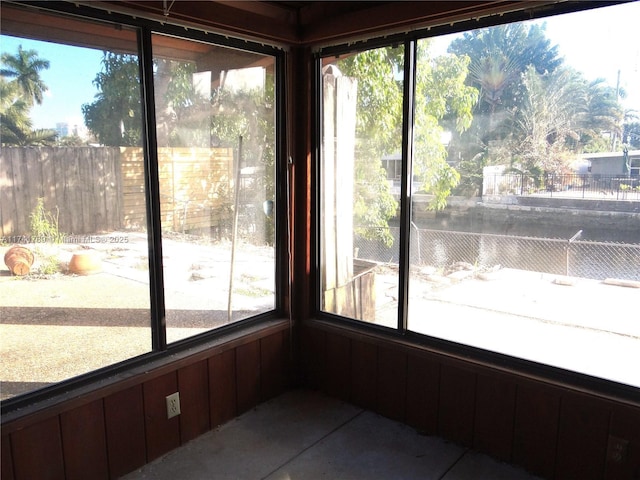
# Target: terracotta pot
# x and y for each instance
(19, 260)
(85, 263)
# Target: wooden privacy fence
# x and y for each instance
(101, 189)
(81, 185)
(195, 187)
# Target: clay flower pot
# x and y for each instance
(19, 260)
(85, 263)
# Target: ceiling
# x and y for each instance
(310, 23)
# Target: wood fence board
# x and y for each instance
(95, 190)
(7, 217)
(19, 197)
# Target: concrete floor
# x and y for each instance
(305, 435)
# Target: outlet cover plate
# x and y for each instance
(173, 405)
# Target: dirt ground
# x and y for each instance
(53, 327)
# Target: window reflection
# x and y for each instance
(216, 136)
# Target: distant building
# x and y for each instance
(66, 129)
(613, 163)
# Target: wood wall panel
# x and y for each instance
(113, 431)
(272, 365)
(423, 379)
(222, 387)
(193, 385)
(579, 455)
(392, 383)
(124, 421)
(456, 404)
(248, 376)
(37, 451)
(536, 429)
(625, 425)
(364, 372)
(162, 433)
(552, 431)
(494, 416)
(84, 442)
(338, 357)
(6, 462)
(314, 358)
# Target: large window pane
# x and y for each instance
(74, 289)
(536, 252)
(360, 182)
(215, 125)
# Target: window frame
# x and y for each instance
(160, 349)
(423, 342)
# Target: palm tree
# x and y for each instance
(14, 112)
(549, 120)
(15, 124)
(24, 67)
(605, 114)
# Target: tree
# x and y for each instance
(442, 99)
(499, 55)
(15, 123)
(115, 116)
(248, 113)
(378, 133)
(25, 67)
(603, 114)
(498, 58)
(548, 121)
(14, 112)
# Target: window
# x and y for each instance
(96, 183)
(215, 125)
(494, 235)
(357, 199)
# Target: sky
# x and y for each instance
(600, 43)
(69, 79)
(601, 50)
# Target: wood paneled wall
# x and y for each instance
(115, 433)
(554, 432)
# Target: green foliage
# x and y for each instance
(373, 203)
(44, 224)
(498, 58)
(250, 114)
(443, 100)
(44, 230)
(24, 67)
(379, 108)
(499, 55)
(49, 264)
(115, 116)
(443, 182)
(18, 96)
(534, 114)
(71, 141)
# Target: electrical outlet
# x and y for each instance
(173, 405)
(617, 449)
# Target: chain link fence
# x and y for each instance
(441, 249)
